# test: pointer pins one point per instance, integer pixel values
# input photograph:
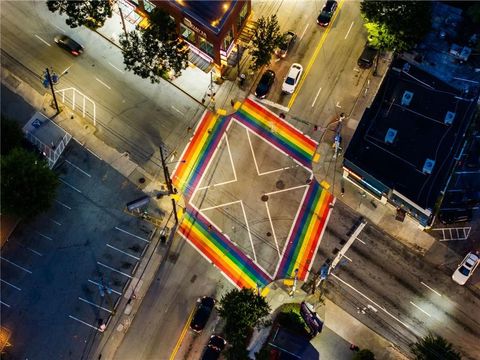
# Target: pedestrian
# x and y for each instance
(232, 102)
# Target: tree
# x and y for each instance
(400, 24)
(266, 39)
(433, 347)
(364, 354)
(90, 13)
(242, 311)
(28, 185)
(156, 51)
(12, 135)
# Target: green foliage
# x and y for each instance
(156, 51)
(433, 347)
(12, 135)
(242, 310)
(266, 39)
(364, 354)
(90, 13)
(28, 185)
(293, 322)
(399, 24)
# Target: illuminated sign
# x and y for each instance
(194, 28)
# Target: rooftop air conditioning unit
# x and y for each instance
(390, 136)
(428, 166)
(449, 116)
(407, 98)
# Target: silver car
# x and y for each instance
(466, 268)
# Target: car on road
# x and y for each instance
(205, 306)
(289, 39)
(466, 268)
(214, 347)
(265, 84)
(369, 53)
(292, 78)
(327, 13)
(68, 44)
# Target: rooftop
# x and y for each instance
(409, 136)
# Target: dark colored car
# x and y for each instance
(204, 309)
(365, 61)
(214, 347)
(69, 44)
(455, 216)
(289, 39)
(327, 12)
(265, 84)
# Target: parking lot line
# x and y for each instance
(102, 285)
(123, 252)
(34, 251)
(126, 232)
(66, 206)
(55, 222)
(76, 167)
(83, 322)
(69, 185)
(15, 287)
(114, 270)
(18, 266)
(44, 236)
(4, 303)
(92, 303)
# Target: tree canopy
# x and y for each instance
(242, 311)
(28, 185)
(90, 13)
(396, 25)
(266, 39)
(12, 135)
(364, 354)
(156, 51)
(433, 347)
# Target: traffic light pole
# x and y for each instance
(49, 78)
(169, 184)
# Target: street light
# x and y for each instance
(169, 182)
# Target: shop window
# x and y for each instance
(148, 6)
(243, 15)
(227, 40)
(205, 46)
(187, 33)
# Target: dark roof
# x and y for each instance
(211, 14)
(421, 133)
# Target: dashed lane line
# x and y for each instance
(16, 265)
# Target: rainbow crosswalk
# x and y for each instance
(308, 225)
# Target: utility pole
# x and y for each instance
(123, 21)
(49, 80)
(169, 183)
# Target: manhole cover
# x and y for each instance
(280, 185)
(264, 197)
(269, 233)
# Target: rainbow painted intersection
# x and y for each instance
(308, 225)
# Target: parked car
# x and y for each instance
(455, 216)
(327, 13)
(68, 44)
(466, 268)
(214, 347)
(289, 39)
(265, 84)
(366, 59)
(204, 309)
(293, 77)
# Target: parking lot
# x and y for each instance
(63, 273)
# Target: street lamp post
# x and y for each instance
(50, 82)
(169, 184)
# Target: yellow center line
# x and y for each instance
(182, 334)
(314, 56)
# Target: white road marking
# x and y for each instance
(39, 38)
(65, 71)
(44, 236)
(283, 190)
(15, 287)
(91, 152)
(84, 323)
(123, 252)
(372, 308)
(114, 270)
(174, 108)
(92, 303)
(253, 152)
(219, 206)
(348, 32)
(428, 287)
(316, 96)
(69, 185)
(273, 229)
(304, 31)
(363, 242)
(274, 104)
(277, 170)
(76, 167)
(346, 257)
(4, 303)
(58, 27)
(419, 308)
(66, 206)
(34, 251)
(101, 82)
(128, 233)
(116, 68)
(214, 185)
(248, 229)
(55, 222)
(338, 104)
(16, 265)
(231, 158)
(105, 287)
(373, 302)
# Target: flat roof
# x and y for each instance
(405, 139)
